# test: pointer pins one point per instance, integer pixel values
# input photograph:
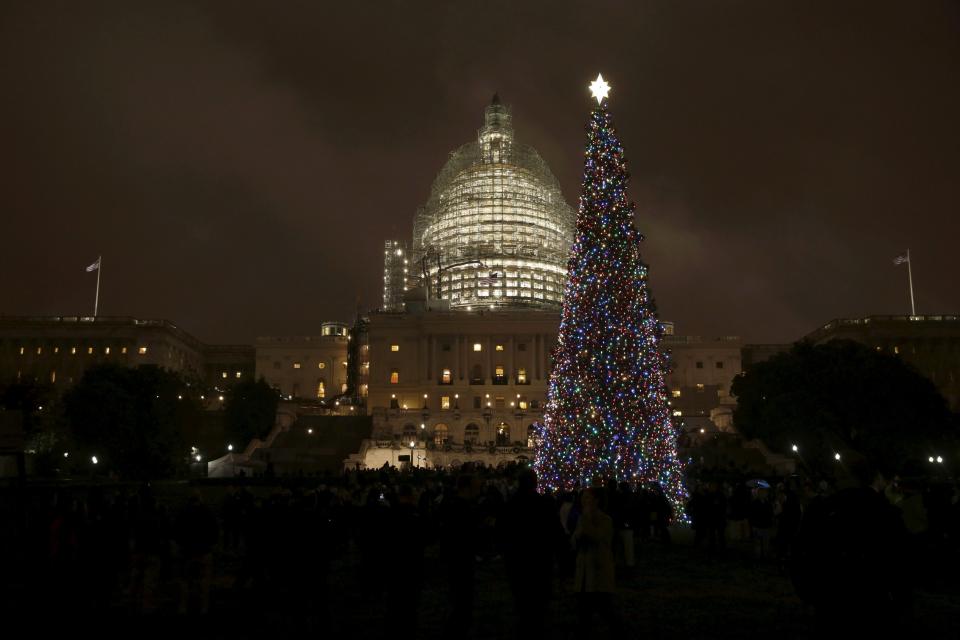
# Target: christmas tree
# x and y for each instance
(608, 414)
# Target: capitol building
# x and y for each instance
(495, 231)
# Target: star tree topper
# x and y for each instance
(599, 88)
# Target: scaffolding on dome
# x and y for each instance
(496, 231)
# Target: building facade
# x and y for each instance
(58, 349)
(701, 372)
(306, 367)
(930, 343)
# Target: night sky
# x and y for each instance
(239, 164)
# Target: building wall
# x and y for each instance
(929, 343)
(437, 372)
(298, 366)
(58, 349)
(702, 370)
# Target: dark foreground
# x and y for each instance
(675, 591)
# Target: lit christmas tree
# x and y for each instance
(607, 414)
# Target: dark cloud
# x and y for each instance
(239, 164)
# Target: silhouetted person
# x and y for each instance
(529, 532)
(761, 521)
(594, 577)
(409, 533)
(461, 522)
(850, 559)
(196, 533)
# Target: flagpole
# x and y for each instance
(913, 309)
(96, 298)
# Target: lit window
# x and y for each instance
(675, 393)
(498, 372)
(296, 365)
(40, 350)
(895, 350)
(123, 350)
(223, 374)
(699, 386)
(446, 377)
(73, 351)
(523, 404)
(499, 347)
(444, 402)
(343, 388)
(394, 347)
(238, 374)
(321, 389)
(53, 377)
(56, 349)
(89, 351)
(142, 350)
(521, 376)
(477, 346)
(395, 376)
(21, 350)
(321, 365)
(677, 413)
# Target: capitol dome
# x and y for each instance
(496, 226)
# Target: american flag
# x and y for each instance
(94, 266)
(901, 259)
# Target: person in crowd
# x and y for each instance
(461, 526)
(850, 559)
(197, 532)
(594, 576)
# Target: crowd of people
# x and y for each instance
(100, 546)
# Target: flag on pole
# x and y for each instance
(901, 259)
(94, 267)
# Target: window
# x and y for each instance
(677, 413)
(409, 433)
(675, 393)
(394, 347)
(321, 389)
(499, 376)
(238, 374)
(21, 350)
(56, 349)
(499, 347)
(89, 351)
(123, 350)
(531, 436)
(40, 350)
(53, 377)
(446, 377)
(394, 376)
(895, 350)
(523, 404)
(142, 351)
(699, 365)
(500, 403)
(445, 346)
(503, 434)
(106, 350)
(522, 346)
(343, 388)
(521, 376)
(73, 351)
(476, 376)
(223, 374)
(477, 346)
(440, 434)
(444, 402)
(477, 401)
(720, 365)
(471, 433)
(296, 365)
(699, 386)
(321, 365)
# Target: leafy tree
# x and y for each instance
(249, 411)
(132, 419)
(839, 397)
(31, 399)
